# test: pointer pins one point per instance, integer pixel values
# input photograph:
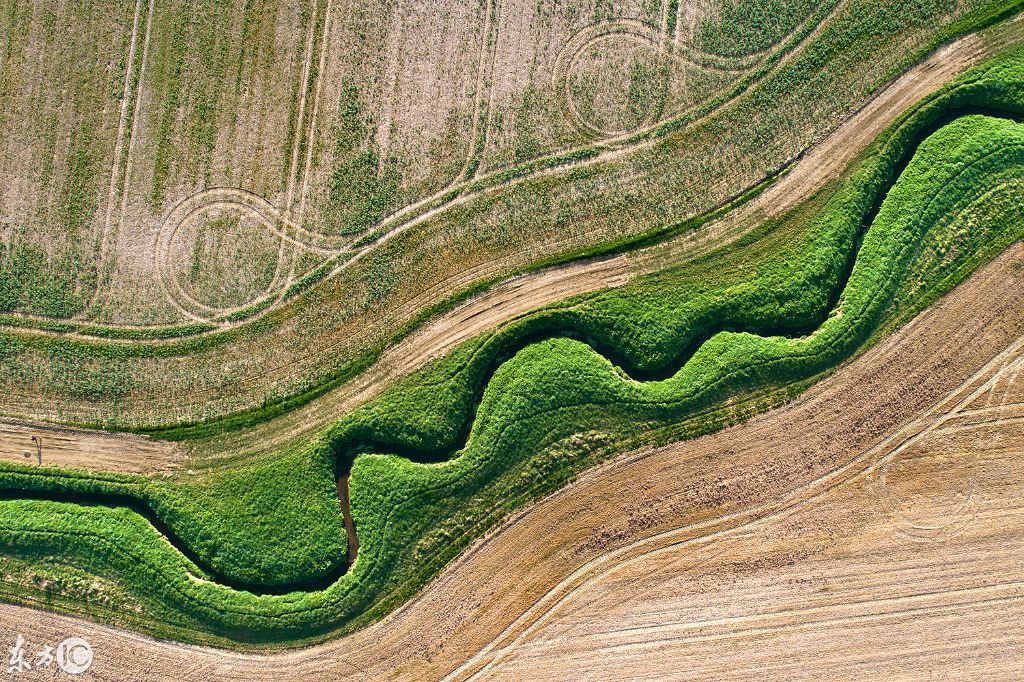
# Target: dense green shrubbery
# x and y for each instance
(263, 527)
(780, 309)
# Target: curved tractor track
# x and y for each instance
(468, 185)
(346, 451)
(345, 253)
(811, 172)
(641, 504)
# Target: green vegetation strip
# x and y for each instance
(245, 554)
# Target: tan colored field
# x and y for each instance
(228, 238)
(819, 166)
(51, 445)
(288, 127)
(871, 529)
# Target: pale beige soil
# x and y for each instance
(62, 446)
(867, 530)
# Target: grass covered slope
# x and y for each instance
(516, 413)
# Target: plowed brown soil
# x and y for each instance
(871, 529)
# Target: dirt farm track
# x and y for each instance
(871, 529)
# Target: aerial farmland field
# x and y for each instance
(494, 339)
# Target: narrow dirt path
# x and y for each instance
(85, 449)
(127, 97)
(503, 302)
(618, 518)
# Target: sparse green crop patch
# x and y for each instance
(232, 260)
(59, 81)
(517, 412)
(743, 28)
(363, 187)
(30, 279)
(202, 53)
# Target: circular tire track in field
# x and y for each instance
(941, 514)
(614, 51)
(225, 258)
(639, 56)
(250, 206)
(460, 193)
(285, 223)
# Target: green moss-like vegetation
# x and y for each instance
(33, 281)
(515, 413)
(363, 187)
(744, 27)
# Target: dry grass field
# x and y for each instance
(507, 340)
(243, 144)
(194, 304)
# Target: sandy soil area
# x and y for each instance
(52, 445)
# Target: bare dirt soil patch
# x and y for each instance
(49, 445)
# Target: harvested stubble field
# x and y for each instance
(434, 252)
(683, 320)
